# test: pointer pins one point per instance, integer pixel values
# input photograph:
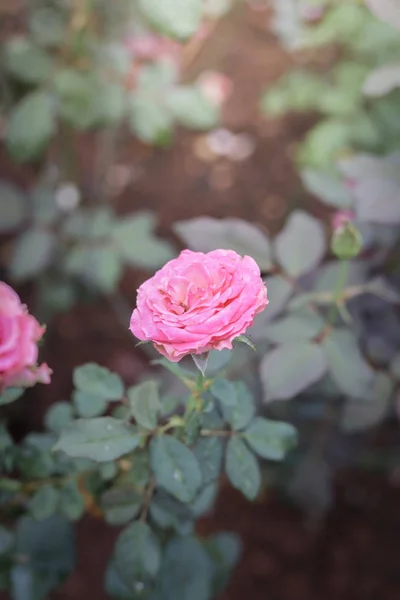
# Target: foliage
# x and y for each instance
(86, 68)
(153, 474)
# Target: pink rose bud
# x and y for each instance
(19, 335)
(199, 302)
(341, 217)
(149, 47)
(310, 13)
(215, 86)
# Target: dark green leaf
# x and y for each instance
(120, 505)
(137, 554)
(270, 439)
(49, 548)
(12, 207)
(145, 404)
(58, 416)
(31, 125)
(72, 503)
(10, 395)
(244, 339)
(303, 324)
(168, 513)
(101, 439)
(347, 367)
(175, 467)
(361, 414)
(26, 61)
(225, 391)
(291, 368)
(242, 468)
(301, 245)
(43, 503)
(23, 583)
(94, 379)
(6, 540)
(186, 571)
(135, 242)
(89, 404)
(209, 452)
(240, 414)
(32, 252)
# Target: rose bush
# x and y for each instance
(19, 336)
(199, 302)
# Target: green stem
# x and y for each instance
(340, 285)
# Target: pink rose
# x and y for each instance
(215, 86)
(199, 302)
(19, 335)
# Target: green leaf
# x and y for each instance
(101, 439)
(186, 571)
(32, 252)
(48, 25)
(176, 18)
(12, 207)
(99, 266)
(174, 368)
(242, 468)
(43, 503)
(209, 453)
(347, 367)
(23, 583)
(49, 549)
(279, 292)
(239, 414)
(120, 505)
(205, 500)
(175, 467)
(114, 585)
(10, 395)
(78, 97)
(149, 119)
(168, 513)
(6, 540)
(291, 368)
(205, 234)
(225, 391)
(361, 414)
(144, 403)
(192, 108)
(88, 404)
(301, 325)
(97, 380)
(395, 367)
(71, 501)
(328, 187)
(137, 554)
(58, 416)
(244, 339)
(270, 439)
(31, 125)
(135, 242)
(108, 470)
(26, 61)
(301, 245)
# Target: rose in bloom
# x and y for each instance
(19, 335)
(199, 302)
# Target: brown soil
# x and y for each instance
(354, 554)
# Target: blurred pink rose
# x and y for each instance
(148, 47)
(19, 335)
(199, 302)
(341, 217)
(215, 86)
